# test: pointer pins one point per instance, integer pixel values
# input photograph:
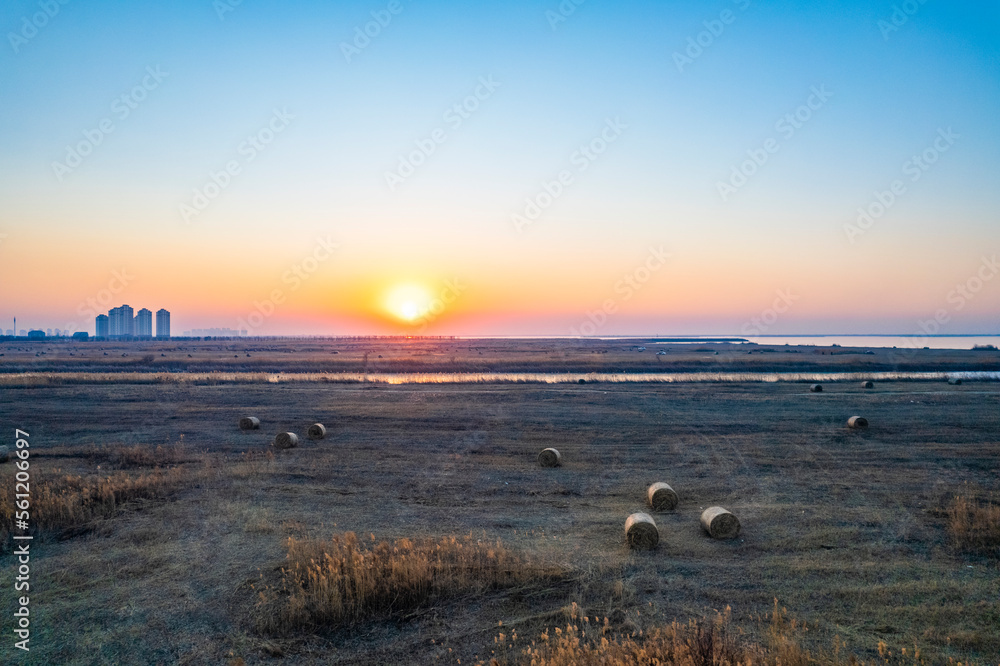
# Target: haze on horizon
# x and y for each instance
(621, 168)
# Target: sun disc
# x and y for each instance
(408, 302)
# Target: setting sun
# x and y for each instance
(408, 302)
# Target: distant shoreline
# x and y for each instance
(340, 358)
(442, 378)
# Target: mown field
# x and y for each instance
(162, 529)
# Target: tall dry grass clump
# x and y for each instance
(346, 581)
(974, 525)
(778, 641)
(61, 501)
(586, 641)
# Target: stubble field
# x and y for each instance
(848, 530)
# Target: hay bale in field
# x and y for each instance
(867, 384)
(316, 431)
(816, 388)
(955, 381)
(719, 523)
(285, 440)
(661, 497)
(249, 423)
(857, 422)
(641, 532)
(549, 458)
(4, 454)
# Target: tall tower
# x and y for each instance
(128, 321)
(101, 328)
(114, 322)
(162, 323)
(144, 323)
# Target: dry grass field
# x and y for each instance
(376, 355)
(422, 529)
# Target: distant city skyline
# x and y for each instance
(121, 323)
(124, 322)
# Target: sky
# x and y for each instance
(520, 168)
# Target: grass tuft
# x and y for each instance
(347, 581)
(66, 502)
(974, 525)
(714, 641)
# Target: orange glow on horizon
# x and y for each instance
(408, 302)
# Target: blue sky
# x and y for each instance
(556, 87)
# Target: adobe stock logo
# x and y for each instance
(900, 16)
(218, 181)
(582, 159)
(958, 298)
(714, 28)
(31, 26)
(769, 316)
(122, 107)
(787, 126)
(561, 13)
(295, 276)
(98, 304)
(363, 36)
(455, 116)
(962, 295)
(223, 7)
(450, 293)
(915, 168)
(626, 288)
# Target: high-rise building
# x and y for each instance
(128, 319)
(144, 323)
(162, 323)
(101, 328)
(121, 322)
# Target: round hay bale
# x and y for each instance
(857, 422)
(249, 423)
(661, 497)
(4, 453)
(816, 388)
(719, 523)
(641, 532)
(316, 431)
(285, 440)
(549, 458)
(955, 381)
(867, 384)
